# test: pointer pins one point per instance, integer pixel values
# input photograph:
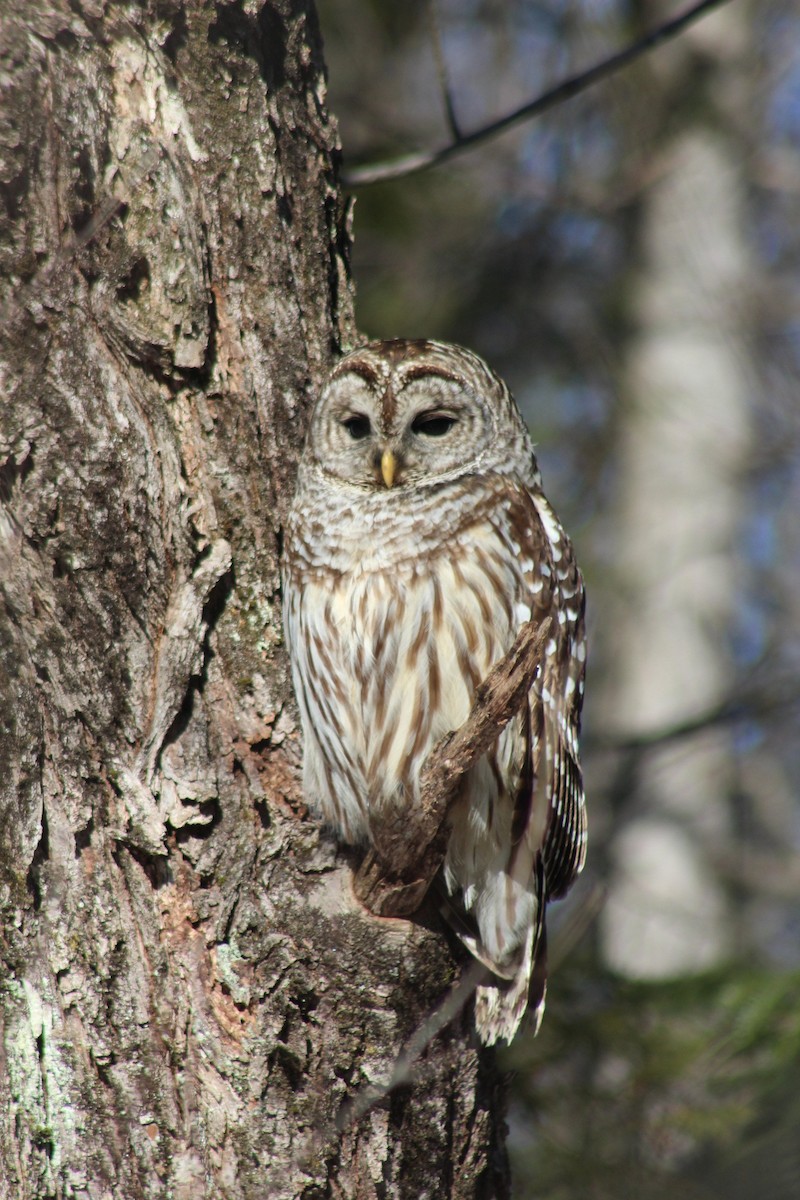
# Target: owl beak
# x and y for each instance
(388, 467)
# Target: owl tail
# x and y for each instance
(515, 982)
(500, 1006)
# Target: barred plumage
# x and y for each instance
(418, 543)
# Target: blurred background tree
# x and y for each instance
(628, 262)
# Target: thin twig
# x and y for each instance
(739, 708)
(358, 1105)
(408, 847)
(442, 72)
(571, 930)
(473, 975)
(421, 160)
(77, 242)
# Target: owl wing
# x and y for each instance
(548, 833)
(550, 812)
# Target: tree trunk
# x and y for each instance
(681, 458)
(190, 991)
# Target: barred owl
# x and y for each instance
(419, 541)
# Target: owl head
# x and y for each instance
(398, 414)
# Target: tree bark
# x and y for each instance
(190, 990)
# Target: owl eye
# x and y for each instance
(358, 427)
(433, 424)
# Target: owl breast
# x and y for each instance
(389, 650)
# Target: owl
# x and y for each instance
(418, 543)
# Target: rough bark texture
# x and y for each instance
(189, 990)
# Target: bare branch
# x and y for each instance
(442, 72)
(395, 875)
(405, 1069)
(421, 160)
(358, 1105)
(742, 707)
(125, 190)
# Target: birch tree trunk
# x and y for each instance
(189, 991)
(681, 460)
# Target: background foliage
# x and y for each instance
(568, 251)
